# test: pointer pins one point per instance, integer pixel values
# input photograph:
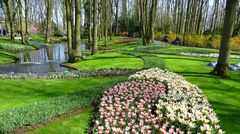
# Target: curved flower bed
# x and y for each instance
(211, 55)
(69, 74)
(184, 105)
(155, 101)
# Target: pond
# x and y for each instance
(46, 59)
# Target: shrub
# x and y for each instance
(204, 41)
(158, 36)
(235, 43)
(196, 41)
(125, 34)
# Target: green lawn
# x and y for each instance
(109, 60)
(75, 125)
(37, 38)
(223, 94)
(2, 59)
(15, 93)
(8, 41)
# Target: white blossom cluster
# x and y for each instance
(211, 55)
(183, 105)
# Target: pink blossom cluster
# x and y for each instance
(129, 108)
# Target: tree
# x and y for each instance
(8, 4)
(26, 22)
(77, 44)
(49, 20)
(21, 22)
(221, 68)
(69, 30)
(89, 18)
(148, 15)
(105, 21)
(95, 14)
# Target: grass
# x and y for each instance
(2, 59)
(37, 38)
(223, 94)
(16, 93)
(74, 125)
(41, 39)
(8, 41)
(109, 60)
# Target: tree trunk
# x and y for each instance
(49, 20)
(200, 18)
(77, 44)
(116, 28)
(90, 21)
(21, 21)
(95, 14)
(27, 23)
(221, 68)
(153, 14)
(69, 30)
(8, 4)
(105, 21)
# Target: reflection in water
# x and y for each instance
(46, 59)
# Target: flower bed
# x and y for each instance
(122, 41)
(211, 55)
(129, 108)
(155, 101)
(69, 74)
(184, 105)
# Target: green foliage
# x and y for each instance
(57, 34)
